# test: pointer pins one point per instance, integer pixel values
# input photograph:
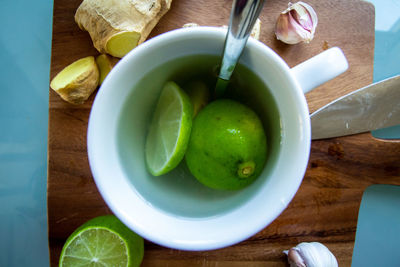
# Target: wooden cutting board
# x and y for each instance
(326, 206)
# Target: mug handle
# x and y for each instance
(320, 68)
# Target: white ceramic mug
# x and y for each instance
(175, 210)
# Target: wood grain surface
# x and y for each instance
(326, 206)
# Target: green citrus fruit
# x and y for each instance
(103, 241)
(227, 148)
(169, 131)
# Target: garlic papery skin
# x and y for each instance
(296, 24)
(313, 254)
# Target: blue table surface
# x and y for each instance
(25, 41)
(378, 228)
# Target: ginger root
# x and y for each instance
(105, 63)
(76, 82)
(118, 26)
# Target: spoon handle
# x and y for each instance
(244, 14)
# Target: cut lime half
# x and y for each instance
(169, 131)
(103, 241)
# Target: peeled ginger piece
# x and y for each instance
(105, 63)
(76, 82)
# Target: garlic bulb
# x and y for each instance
(296, 24)
(312, 254)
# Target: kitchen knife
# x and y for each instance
(369, 108)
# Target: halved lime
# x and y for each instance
(169, 131)
(103, 241)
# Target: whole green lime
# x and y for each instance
(228, 148)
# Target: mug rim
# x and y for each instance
(114, 202)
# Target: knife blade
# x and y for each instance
(369, 108)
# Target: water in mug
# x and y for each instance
(178, 192)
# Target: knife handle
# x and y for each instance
(320, 68)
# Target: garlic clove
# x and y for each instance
(313, 254)
(296, 24)
(295, 260)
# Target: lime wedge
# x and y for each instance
(103, 241)
(169, 131)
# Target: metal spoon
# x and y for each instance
(244, 14)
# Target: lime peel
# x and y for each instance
(246, 169)
(228, 147)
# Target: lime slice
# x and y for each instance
(103, 241)
(169, 131)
